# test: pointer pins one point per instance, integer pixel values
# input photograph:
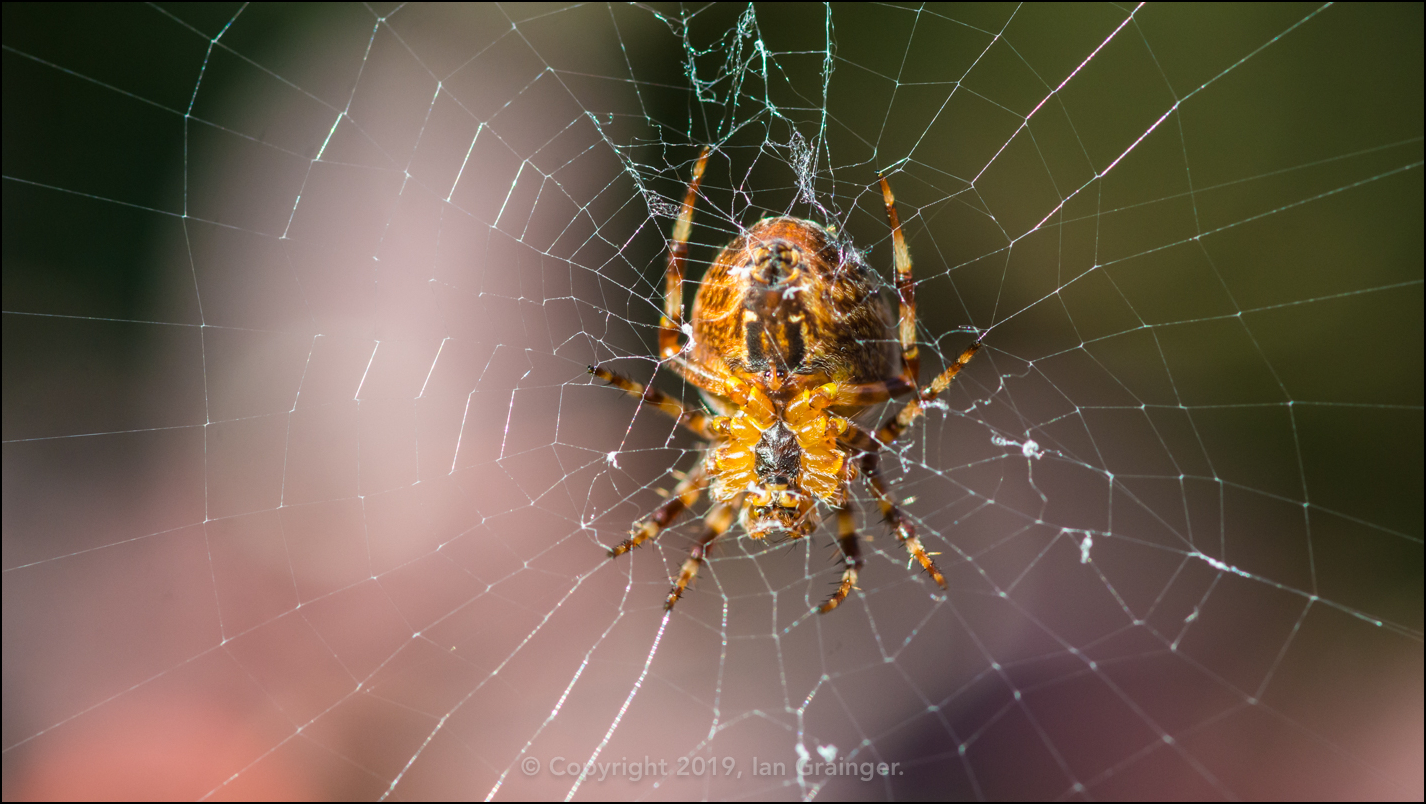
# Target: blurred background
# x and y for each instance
(307, 491)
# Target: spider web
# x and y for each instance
(307, 491)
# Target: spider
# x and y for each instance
(790, 342)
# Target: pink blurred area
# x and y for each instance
(307, 541)
(341, 542)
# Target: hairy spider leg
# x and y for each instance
(896, 426)
(896, 518)
(905, 290)
(712, 375)
(720, 518)
(671, 324)
(695, 420)
(684, 496)
(672, 321)
(864, 396)
(852, 559)
(860, 440)
(870, 445)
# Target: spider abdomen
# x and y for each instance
(786, 308)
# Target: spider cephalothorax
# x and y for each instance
(791, 341)
(783, 459)
(786, 308)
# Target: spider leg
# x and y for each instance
(896, 425)
(857, 440)
(851, 556)
(707, 373)
(866, 395)
(869, 445)
(895, 517)
(684, 495)
(693, 419)
(719, 519)
(905, 290)
(671, 324)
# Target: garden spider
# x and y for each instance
(790, 342)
